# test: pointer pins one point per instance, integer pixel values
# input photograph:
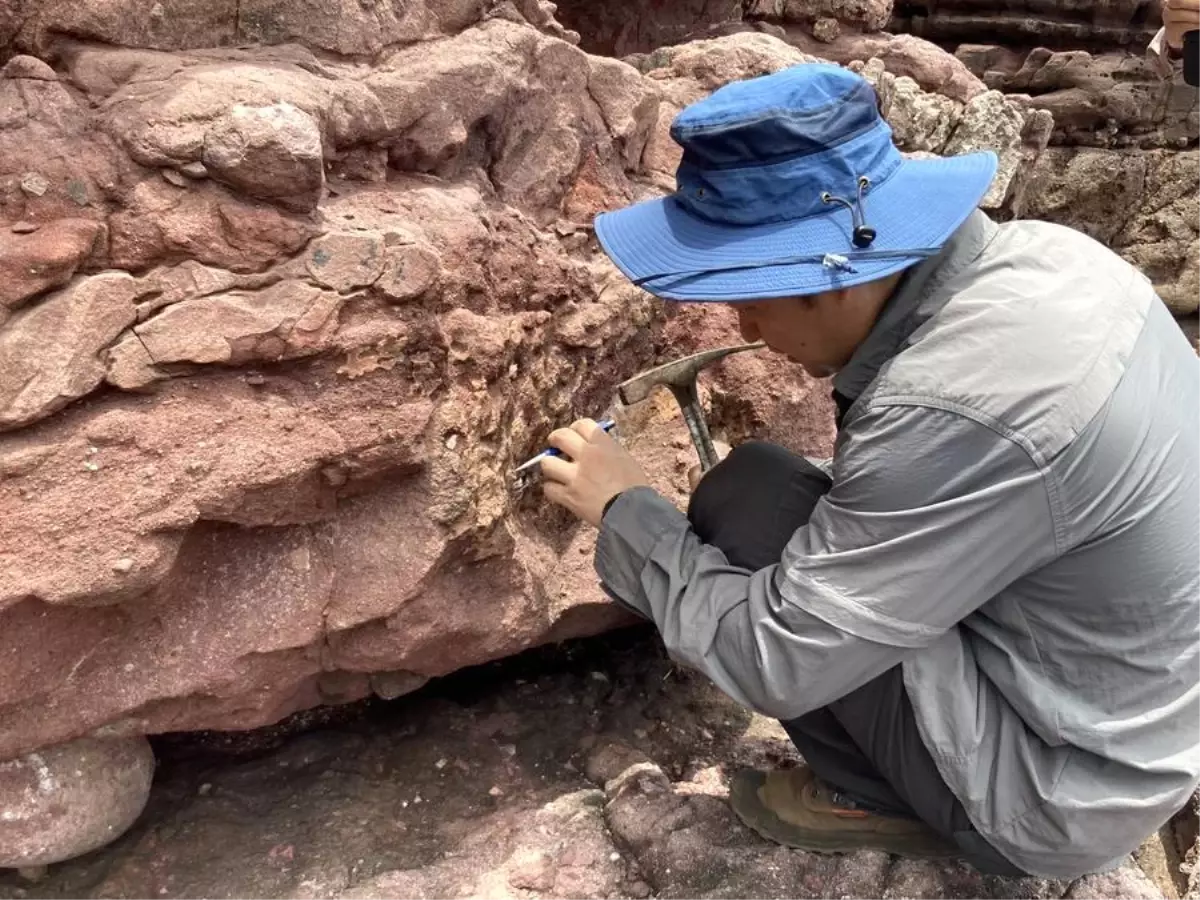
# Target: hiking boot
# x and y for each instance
(795, 808)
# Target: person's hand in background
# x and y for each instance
(1178, 18)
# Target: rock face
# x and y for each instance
(281, 325)
(1123, 165)
(1143, 203)
(1091, 24)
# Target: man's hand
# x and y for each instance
(1180, 17)
(593, 470)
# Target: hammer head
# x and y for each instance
(679, 373)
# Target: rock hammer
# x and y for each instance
(680, 377)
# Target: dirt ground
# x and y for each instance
(589, 769)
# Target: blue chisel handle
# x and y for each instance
(606, 426)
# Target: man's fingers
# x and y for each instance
(567, 440)
(585, 428)
(557, 469)
(555, 492)
(1176, 30)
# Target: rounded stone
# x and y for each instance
(60, 802)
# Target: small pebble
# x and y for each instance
(440, 764)
(173, 177)
(639, 733)
(598, 676)
(194, 170)
(25, 227)
(417, 799)
(452, 442)
(123, 565)
(614, 856)
(496, 791)
(205, 789)
(255, 379)
(34, 184)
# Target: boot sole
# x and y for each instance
(746, 805)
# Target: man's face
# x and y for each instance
(821, 331)
(810, 331)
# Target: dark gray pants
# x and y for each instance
(865, 744)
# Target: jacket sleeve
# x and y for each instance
(930, 515)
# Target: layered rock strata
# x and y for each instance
(280, 324)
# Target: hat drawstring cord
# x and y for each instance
(864, 234)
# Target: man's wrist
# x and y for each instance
(608, 505)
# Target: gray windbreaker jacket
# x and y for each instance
(1014, 519)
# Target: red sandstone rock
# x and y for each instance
(310, 485)
(264, 464)
(43, 259)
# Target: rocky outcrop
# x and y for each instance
(1105, 99)
(283, 322)
(285, 295)
(1144, 204)
(1092, 24)
(346, 29)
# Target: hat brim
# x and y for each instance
(919, 206)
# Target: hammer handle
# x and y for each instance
(693, 414)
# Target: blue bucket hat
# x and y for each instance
(790, 185)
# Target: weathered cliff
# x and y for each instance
(279, 322)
